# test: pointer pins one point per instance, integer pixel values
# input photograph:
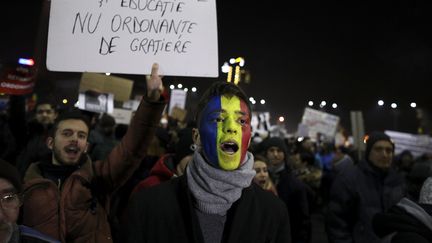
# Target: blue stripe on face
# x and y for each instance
(208, 130)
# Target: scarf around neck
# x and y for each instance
(215, 190)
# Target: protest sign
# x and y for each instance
(127, 36)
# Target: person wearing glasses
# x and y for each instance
(10, 202)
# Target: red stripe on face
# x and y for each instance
(246, 130)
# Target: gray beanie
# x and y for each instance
(426, 192)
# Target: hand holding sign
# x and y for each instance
(154, 84)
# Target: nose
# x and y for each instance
(230, 126)
(74, 137)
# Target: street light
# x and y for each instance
(226, 68)
(322, 104)
(380, 102)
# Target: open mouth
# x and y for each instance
(229, 147)
(72, 150)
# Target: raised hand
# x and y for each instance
(154, 84)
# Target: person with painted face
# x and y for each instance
(67, 194)
(215, 200)
(372, 186)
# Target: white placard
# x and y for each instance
(127, 36)
(99, 103)
(417, 144)
(320, 122)
(177, 99)
(122, 116)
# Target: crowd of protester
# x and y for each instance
(64, 178)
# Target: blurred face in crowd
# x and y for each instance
(9, 209)
(225, 132)
(308, 145)
(262, 176)
(406, 161)
(296, 161)
(275, 155)
(69, 142)
(381, 154)
(45, 114)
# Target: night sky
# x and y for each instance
(339, 52)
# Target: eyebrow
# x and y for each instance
(8, 190)
(72, 130)
(237, 112)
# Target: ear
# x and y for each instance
(50, 142)
(196, 136)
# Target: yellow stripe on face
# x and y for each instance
(229, 130)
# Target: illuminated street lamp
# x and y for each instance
(226, 68)
(380, 102)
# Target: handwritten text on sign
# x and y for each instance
(127, 36)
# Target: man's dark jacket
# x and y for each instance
(165, 213)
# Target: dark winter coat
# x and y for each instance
(298, 197)
(357, 194)
(78, 212)
(405, 222)
(160, 172)
(165, 213)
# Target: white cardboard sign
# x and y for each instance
(417, 144)
(128, 36)
(177, 99)
(319, 122)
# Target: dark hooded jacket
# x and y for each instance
(405, 222)
(357, 194)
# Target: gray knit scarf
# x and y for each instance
(215, 190)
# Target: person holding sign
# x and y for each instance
(68, 195)
(215, 200)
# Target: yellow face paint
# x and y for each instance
(230, 130)
(225, 131)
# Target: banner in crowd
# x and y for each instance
(121, 88)
(177, 99)
(417, 144)
(261, 127)
(316, 122)
(128, 36)
(122, 116)
(96, 102)
(17, 80)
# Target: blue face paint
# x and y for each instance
(225, 131)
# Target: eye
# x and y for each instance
(219, 119)
(82, 136)
(67, 133)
